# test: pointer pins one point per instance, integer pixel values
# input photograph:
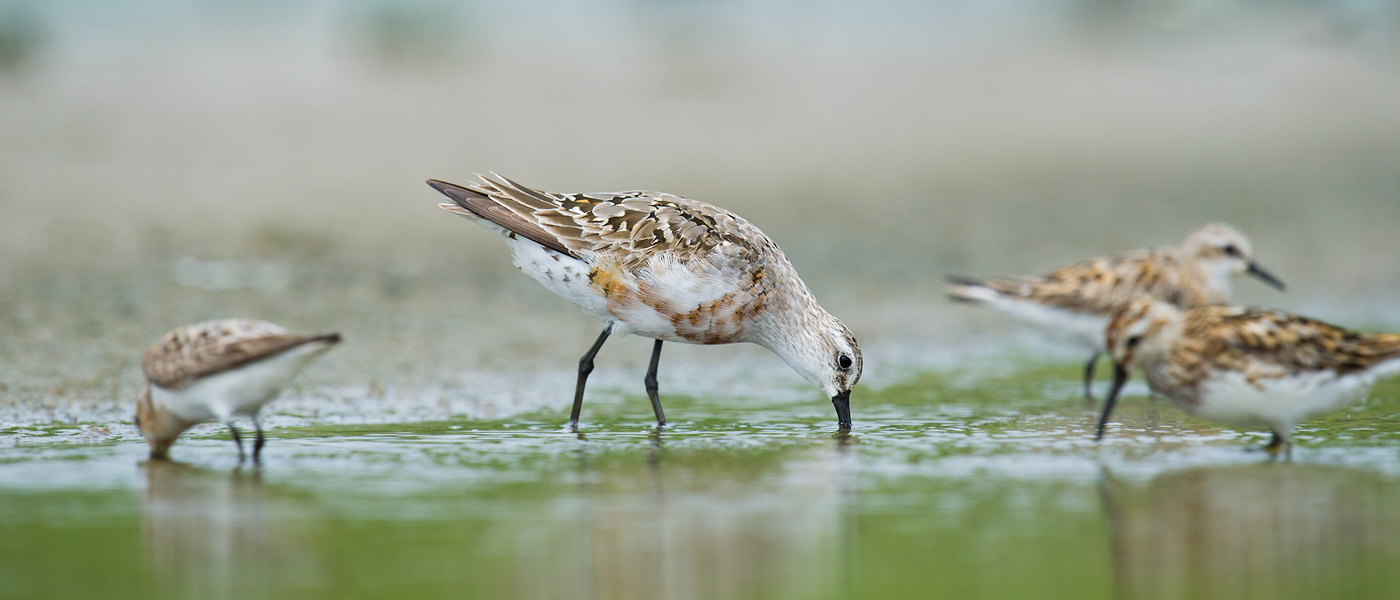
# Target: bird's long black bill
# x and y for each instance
(1120, 377)
(1265, 276)
(842, 401)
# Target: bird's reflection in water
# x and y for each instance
(1271, 531)
(207, 534)
(683, 527)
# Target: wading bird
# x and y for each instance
(1244, 366)
(217, 370)
(668, 268)
(1075, 302)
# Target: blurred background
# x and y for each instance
(164, 162)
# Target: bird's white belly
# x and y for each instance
(1083, 329)
(241, 391)
(1276, 402)
(680, 287)
(560, 273)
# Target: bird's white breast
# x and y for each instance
(1220, 282)
(681, 286)
(241, 391)
(662, 281)
(1281, 402)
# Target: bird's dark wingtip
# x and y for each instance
(456, 192)
(962, 280)
(958, 281)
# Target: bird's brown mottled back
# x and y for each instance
(1195, 273)
(1102, 285)
(624, 228)
(1266, 343)
(213, 347)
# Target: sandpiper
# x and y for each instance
(1245, 366)
(668, 268)
(217, 370)
(1076, 301)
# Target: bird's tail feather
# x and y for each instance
(1386, 348)
(966, 289)
(505, 205)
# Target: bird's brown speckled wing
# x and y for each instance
(626, 227)
(1235, 337)
(213, 347)
(1101, 285)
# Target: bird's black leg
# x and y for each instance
(1089, 377)
(1282, 442)
(651, 384)
(585, 366)
(258, 441)
(237, 440)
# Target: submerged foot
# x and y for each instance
(1280, 446)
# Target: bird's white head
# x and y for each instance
(1139, 333)
(824, 352)
(1222, 252)
(1142, 330)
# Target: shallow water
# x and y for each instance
(952, 484)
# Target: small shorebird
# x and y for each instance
(217, 370)
(1076, 301)
(1245, 366)
(667, 268)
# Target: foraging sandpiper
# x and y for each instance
(668, 268)
(1245, 366)
(1076, 301)
(217, 370)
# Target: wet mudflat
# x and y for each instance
(951, 485)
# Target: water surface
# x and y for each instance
(951, 485)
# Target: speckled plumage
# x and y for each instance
(1196, 273)
(203, 349)
(665, 267)
(1074, 302)
(1101, 285)
(625, 227)
(215, 370)
(1248, 366)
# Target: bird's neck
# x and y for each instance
(790, 310)
(1204, 281)
(794, 331)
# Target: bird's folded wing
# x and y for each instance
(190, 353)
(630, 226)
(1290, 341)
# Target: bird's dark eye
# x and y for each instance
(844, 362)
(1133, 341)
(1231, 250)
